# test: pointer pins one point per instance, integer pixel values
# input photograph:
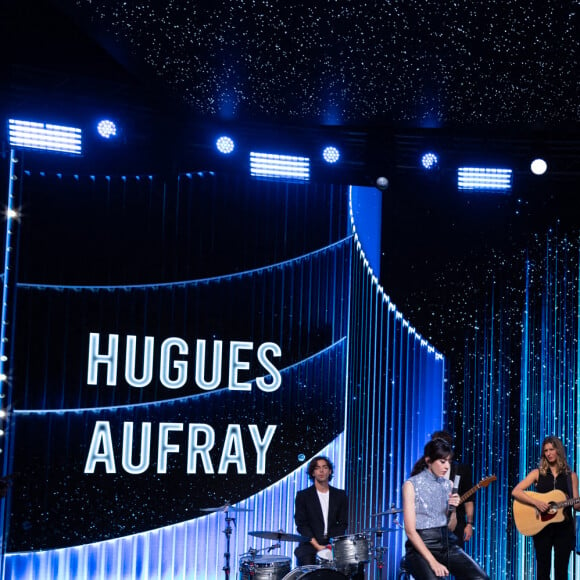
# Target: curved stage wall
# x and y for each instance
(185, 344)
(396, 399)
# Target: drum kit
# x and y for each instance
(346, 556)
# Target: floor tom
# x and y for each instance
(350, 551)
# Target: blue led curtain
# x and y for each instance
(519, 384)
(549, 398)
(486, 422)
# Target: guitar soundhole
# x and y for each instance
(552, 511)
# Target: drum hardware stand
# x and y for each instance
(398, 523)
(226, 509)
(228, 532)
(379, 552)
(253, 553)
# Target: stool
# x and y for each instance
(403, 573)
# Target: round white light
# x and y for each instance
(331, 154)
(107, 129)
(429, 160)
(382, 183)
(225, 145)
(538, 167)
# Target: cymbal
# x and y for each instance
(279, 536)
(382, 530)
(390, 512)
(227, 507)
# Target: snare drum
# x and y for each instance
(349, 551)
(314, 573)
(324, 558)
(264, 568)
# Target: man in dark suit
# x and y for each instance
(321, 511)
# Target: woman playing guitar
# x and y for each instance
(553, 473)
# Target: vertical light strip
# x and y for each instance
(7, 279)
(487, 426)
(524, 412)
(7, 333)
(576, 405)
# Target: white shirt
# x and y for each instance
(324, 499)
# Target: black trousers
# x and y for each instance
(443, 545)
(559, 537)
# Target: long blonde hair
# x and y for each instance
(561, 461)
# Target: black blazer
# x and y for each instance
(310, 521)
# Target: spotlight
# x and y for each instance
(538, 167)
(382, 183)
(106, 129)
(44, 136)
(330, 154)
(429, 160)
(225, 145)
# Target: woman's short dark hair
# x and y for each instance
(314, 461)
(445, 435)
(435, 449)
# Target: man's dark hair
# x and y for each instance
(314, 461)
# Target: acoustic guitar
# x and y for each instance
(529, 520)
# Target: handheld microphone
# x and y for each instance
(454, 490)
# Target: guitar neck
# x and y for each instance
(468, 494)
(483, 483)
(567, 503)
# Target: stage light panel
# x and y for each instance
(107, 129)
(483, 179)
(429, 160)
(330, 154)
(44, 136)
(225, 145)
(269, 165)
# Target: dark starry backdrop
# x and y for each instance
(340, 62)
